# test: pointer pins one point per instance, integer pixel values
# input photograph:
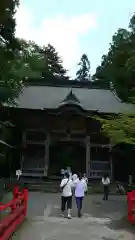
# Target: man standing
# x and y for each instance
(106, 183)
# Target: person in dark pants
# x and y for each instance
(66, 198)
(79, 201)
(66, 202)
(106, 183)
(80, 189)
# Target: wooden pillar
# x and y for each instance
(47, 146)
(111, 161)
(88, 156)
(23, 147)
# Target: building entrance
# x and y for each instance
(64, 154)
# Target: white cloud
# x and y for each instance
(61, 31)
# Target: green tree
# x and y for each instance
(120, 128)
(35, 61)
(113, 66)
(83, 74)
(9, 46)
(29, 61)
(53, 62)
(102, 76)
(118, 67)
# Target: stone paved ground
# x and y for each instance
(101, 220)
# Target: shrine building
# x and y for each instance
(57, 127)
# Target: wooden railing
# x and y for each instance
(98, 174)
(98, 169)
(131, 206)
(17, 213)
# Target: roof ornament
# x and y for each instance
(71, 97)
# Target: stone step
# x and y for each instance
(54, 188)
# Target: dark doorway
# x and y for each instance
(63, 154)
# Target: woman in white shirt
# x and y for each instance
(66, 198)
(80, 189)
(74, 177)
(106, 183)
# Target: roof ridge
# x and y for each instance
(71, 97)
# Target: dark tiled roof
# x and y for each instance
(49, 97)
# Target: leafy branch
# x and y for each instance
(120, 128)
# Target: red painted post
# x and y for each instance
(15, 191)
(25, 192)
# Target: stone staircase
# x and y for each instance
(53, 186)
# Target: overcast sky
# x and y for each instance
(74, 27)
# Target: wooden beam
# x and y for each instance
(35, 142)
(6, 144)
(35, 130)
(100, 145)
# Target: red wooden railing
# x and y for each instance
(17, 213)
(131, 206)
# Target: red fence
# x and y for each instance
(131, 206)
(17, 213)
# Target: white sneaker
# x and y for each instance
(69, 216)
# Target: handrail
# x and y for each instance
(17, 213)
(12, 202)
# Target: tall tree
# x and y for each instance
(113, 66)
(53, 62)
(29, 61)
(35, 61)
(8, 41)
(9, 46)
(118, 67)
(83, 74)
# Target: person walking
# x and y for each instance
(80, 189)
(69, 172)
(106, 183)
(86, 180)
(66, 187)
(62, 172)
(74, 177)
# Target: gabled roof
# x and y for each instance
(50, 97)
